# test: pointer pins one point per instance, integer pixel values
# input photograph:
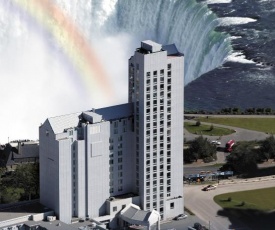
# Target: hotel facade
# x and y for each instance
(95, 164)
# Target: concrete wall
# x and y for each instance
(49, 167)
(97, 163)
(65, 180)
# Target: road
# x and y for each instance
(239, 135)
(202, 205)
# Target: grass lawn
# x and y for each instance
(205, 129)
(259, 199)
(266, 125)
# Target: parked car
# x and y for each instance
(180, 217)
(216, 142)
(209, 187)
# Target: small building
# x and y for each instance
(17, 153)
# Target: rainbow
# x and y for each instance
(73, 43)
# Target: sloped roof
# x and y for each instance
(171, 49)
(60, 123)
(92, 117)
(116, 112)
(133, 215)
(28, 150)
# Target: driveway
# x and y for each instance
(202, 205)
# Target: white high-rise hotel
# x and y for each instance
(95, 163)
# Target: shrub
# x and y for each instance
(198, 123)
(211, 127)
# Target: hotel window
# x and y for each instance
(111, 190)
(172, 205)
(119, 167)
(119, 160)
(155, 73)
(120, 174)
(169, 66)
(120, 181)
(119, 153)
(169, 175)
(120, 138)
(114, 209)
(115, 124)
(148, 74)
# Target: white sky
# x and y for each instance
(37, 80)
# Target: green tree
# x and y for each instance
(243, 158)
(26, 176)
(201, 148)
(267, 149)
(10, 194)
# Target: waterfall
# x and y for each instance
(188, 24)
(36, 67)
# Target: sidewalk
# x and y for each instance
(239, 181)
